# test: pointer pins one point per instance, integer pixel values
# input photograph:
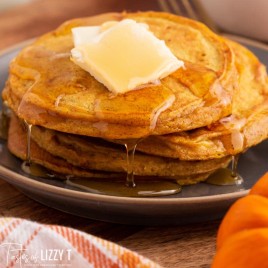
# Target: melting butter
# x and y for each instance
(123, 55)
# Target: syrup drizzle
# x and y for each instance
(235, 159)
(156, 113)
(130, 154)
(238, 179)
(28, 150)
(26, 165)
(235, 125)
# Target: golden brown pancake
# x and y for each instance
(106, 157)
(46, 88)
(77, 160)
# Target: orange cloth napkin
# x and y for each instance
(29, 244)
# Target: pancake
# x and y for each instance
(46, 88)
(245, 127)
(62, 168)
(103, 156)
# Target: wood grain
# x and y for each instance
(36, 18)
(181, 246)
(185, 246)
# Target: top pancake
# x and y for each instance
(46, 88)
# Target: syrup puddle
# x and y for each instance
(36, 170)
(226, 176)
(143, 188)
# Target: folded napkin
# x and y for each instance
(29, 244)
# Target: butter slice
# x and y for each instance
(123, 55)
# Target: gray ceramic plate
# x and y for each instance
(195, 203)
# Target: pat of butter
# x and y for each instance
(123, 55)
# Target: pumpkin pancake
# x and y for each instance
(101, 155)
(46, 88)
(77, 160)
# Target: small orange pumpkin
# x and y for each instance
(247, 213)
(245, 249)
(242, 240)
(261, 186)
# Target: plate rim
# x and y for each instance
(12, 176)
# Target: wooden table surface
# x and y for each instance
(192, 245)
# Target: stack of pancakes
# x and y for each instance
(185, 128)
